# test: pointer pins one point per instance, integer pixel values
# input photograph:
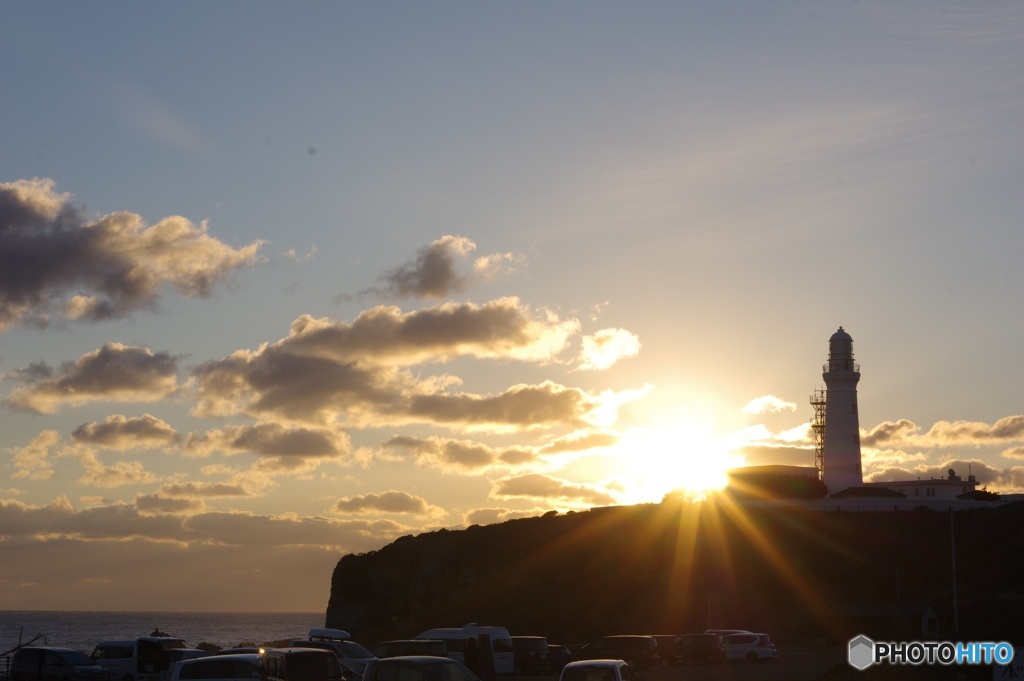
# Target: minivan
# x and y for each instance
(351, 654)
(455, 639)
(300, 664)
(640, 652)
(531, 655)
(54, 664)
(141, 659)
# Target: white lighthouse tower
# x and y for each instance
(840, 454)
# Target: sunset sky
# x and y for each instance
(281, 282)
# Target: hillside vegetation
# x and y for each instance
(676, 567)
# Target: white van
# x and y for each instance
(141, 659)
(455, 639)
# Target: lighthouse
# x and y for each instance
(840, 454)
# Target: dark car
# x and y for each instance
(640, 652)
(558, 657)
(668, 649)
(531, 655)
(417, 668)
(55, 664)
(701, 648)
(410, 646)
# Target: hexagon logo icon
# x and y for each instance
(862, 652)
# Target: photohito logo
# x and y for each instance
(863, 652)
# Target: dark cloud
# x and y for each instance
(115, 372)
(1008, 429)
(157, 504)
(392, 501)
(355, 375)
(525, 406)
(890, 433)
(204, 490)
(54, 260)
(946, 433)
(271, 440)
(490, 516)
(120, 432)
(460, 455)
(432, 273)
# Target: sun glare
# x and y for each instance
(683, 456)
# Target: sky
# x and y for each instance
(281, 282)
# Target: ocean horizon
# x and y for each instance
(82, 630)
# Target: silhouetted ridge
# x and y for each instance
(677, 567)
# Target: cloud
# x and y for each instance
(270, 440)
(118, 522)
(434, 272)
(460, 456)
(1014, 453)
(157, 504)
(768, 404)
(392, 501)
(1002, 480)
(539, 486)
(606, 347)
(121, 433)
(355, 374)
(32, 462)
(115, 372)
(205, 490)
(490, 516)
(118, 474)
(946, 433)
(54, 260)
(581, 440)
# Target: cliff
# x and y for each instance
(677, 567)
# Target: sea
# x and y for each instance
(83, 630)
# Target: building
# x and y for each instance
(836, 426)
(840, 452)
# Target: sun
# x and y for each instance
(683, 455)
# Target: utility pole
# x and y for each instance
(952, 553)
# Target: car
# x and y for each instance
(640, 652)
(701, 648)
(141, 659)
(668, 649)
(752, 647)
(352, 654)
(238, 667)
(417, 668)
(410, 646)
(597, 670)
(456, 637)
(531, 655)
(45, 663)
(300, 664)
(176, 655)
(558, 657)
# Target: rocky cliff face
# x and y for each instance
(675, 567)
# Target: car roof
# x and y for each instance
(417, 658)
(595, 663)
(249, 657)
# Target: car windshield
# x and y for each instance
(353, 649)
(589, 674)
(76, 658)
(446, 670)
